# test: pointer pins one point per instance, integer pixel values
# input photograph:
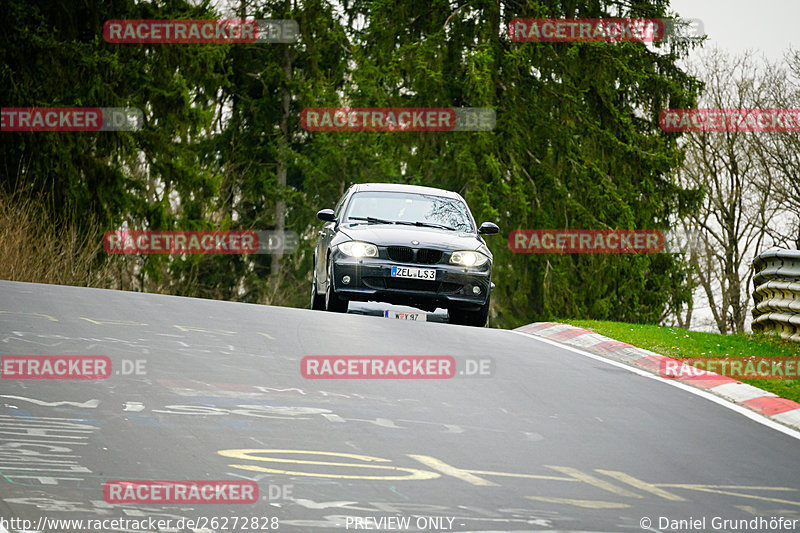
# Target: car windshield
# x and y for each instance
(408, 208)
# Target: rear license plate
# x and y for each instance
(413, 273)
(419, 317)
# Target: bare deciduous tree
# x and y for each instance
(779, 155)
(739, 196)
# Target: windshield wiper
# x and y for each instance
(427, 225)
(372, 220)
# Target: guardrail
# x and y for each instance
(776, 293)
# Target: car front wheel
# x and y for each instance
(333, 302)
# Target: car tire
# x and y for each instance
(333, 302)
(477, 318)
(317, 299)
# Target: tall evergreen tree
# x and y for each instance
(577, 142)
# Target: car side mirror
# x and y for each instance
(327, 215)
(488, 228)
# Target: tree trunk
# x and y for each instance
(283, 155)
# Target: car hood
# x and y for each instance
(393, 235)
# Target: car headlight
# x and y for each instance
(359, 249)
(468, 258)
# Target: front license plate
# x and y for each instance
(419, 317)
(413, 273)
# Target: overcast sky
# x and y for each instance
(768, 26)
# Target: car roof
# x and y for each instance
(398, 187)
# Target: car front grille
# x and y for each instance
(428, 256)
(405, 254)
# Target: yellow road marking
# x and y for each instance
(463, 472)
(244, 453)
(267, 335)
(247, 454)
(702, 488)
(473, 476)
(50, 318)
(445, 468)
(641, 485)
(415, 474)
(594, 481)
(588, 504)
(114, 322)
(201, 330)
(527, 476)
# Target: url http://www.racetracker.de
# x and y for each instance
(218, 523)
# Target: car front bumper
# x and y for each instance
(371, 280)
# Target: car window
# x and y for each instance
(409, 207)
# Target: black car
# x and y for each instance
(406, 245)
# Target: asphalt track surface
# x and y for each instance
(554, 440)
